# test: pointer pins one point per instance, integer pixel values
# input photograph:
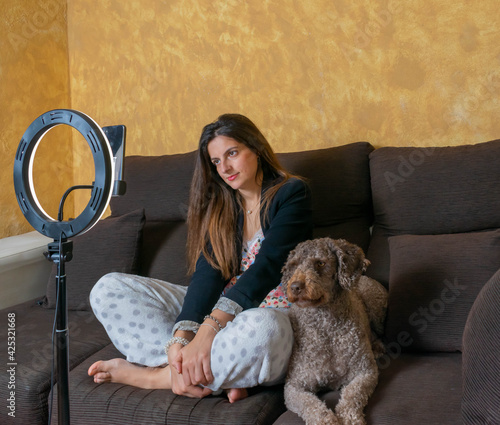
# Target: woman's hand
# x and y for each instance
(194, 358)
(191, 363)
(177, 380)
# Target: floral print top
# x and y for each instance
(275, 298)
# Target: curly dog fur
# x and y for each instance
(337, 315)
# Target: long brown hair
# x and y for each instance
(214, 206)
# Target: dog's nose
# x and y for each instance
(296, 287)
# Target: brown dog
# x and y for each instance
(335, 308)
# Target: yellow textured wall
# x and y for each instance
(33, 80)
(311, 74)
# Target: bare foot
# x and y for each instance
(123, 372)
(235, 394)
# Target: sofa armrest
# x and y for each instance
(24, 271)
(480, 360)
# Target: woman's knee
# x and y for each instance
(269, 324)
(253, 349)
(110, 283)
(259, 327)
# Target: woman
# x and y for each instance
(245, 215)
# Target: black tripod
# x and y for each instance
(61, 251)
(108, 164)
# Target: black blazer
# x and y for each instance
(289, 222)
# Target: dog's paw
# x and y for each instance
(349, 418)
(325, 419)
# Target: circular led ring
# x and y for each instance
(23, 174)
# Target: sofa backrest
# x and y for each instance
(431, 191)
(436, 238)
(160, 185)
(338, 177)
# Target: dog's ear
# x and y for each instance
(351, 262)
(288, 269)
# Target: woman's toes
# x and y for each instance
(94, 368)
(101, 377)
(235, 394)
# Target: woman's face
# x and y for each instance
(236, 164)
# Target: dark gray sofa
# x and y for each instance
(429, 221)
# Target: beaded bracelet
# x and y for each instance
(209, 316)
(175, 340)
(213, 327)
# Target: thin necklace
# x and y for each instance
(251, 210)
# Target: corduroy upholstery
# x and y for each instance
(160, 185)
(433, 283)
(430, 191)
(112, 246)
(436, 220)
(112, 403)
(33, 356)
(412, 389)
(481, 362)
(429, 201)
(340, 184)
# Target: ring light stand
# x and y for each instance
(60, 231)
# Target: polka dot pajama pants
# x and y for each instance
(139, 313)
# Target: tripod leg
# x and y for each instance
(62, 342)
(59, 253)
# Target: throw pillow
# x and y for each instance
(112, 245)
(433, 283)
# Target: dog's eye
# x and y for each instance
(320, 263)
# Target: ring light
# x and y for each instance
(60, 251)
(23, 173)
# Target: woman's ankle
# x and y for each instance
(158, 378)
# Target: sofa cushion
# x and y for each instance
(418, 389)
(163, 254)
(111, 246)
(481, 363)
(412, 390)
(434, 281)
(424, 191)
(160, 185)
(339, 178)
(33, 356)
(112, 403)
